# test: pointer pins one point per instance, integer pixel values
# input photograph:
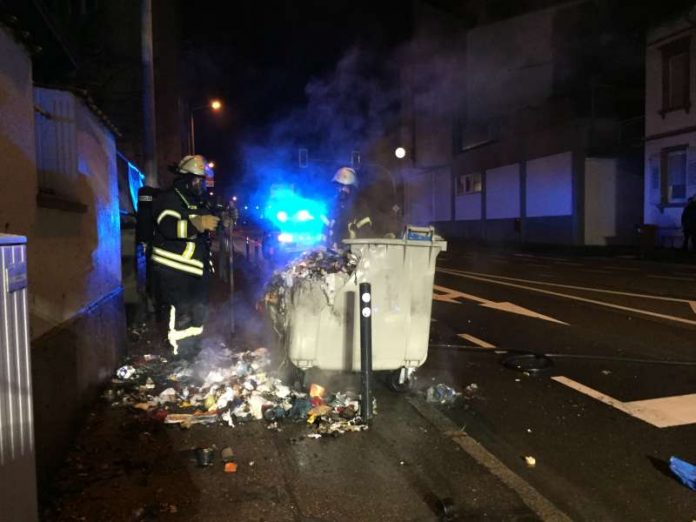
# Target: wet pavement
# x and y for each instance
(127, 465)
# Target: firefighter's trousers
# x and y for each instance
(187, 298)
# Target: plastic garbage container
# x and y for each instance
(323, 326)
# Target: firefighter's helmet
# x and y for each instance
(195, 165)
(346, 176)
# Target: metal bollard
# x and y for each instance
(366, 350)
(247, 248)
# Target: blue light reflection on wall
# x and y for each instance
(136, 180)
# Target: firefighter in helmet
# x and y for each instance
(181, 253)
(351, 217)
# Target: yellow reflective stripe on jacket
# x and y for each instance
(189, 250)
(177, 266)
(363, 222)
(177, 257)
(166, 213)
(182, 229)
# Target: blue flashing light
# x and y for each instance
(304, 215)
(295, 217)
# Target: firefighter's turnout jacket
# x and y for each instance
(351, 219)
(178, 244)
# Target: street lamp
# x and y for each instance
(214, 105)
(400, 152)
(211, 164)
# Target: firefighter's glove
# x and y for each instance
(204, 223)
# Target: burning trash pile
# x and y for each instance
(326, 268)
(229, 388)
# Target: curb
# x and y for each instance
(543, 507)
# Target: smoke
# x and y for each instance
(347, 110)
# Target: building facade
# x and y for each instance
(523, 140)
(670, 125)
(58, 173)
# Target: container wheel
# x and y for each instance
(397, 383)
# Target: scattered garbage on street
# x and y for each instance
(226, 387)
(442, 394)
(685, 471)
(530, 461)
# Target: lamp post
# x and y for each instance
(214, 105)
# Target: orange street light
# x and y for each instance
(214, 105)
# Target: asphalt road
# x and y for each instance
(601, 451)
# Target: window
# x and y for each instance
(468, 184)
(675, 76)
(674, 179)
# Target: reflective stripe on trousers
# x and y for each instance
(174, 335)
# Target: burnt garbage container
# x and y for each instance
(324, 332)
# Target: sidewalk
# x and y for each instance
(126, 465)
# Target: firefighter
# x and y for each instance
(351, 216)
(181, 253)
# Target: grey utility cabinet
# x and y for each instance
(17, 466)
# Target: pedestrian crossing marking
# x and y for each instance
(448, 295)
(662, 412)
(476, 340)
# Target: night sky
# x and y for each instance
(260, 58)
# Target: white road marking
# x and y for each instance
(692, 304)
(663, 412)
(672, 278)
(448, 295)
(476, 340)
(596, 271)
(575, 298)
(572, 287)
(515, 309)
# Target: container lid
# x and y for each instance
(10, 239)
(440, 243)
